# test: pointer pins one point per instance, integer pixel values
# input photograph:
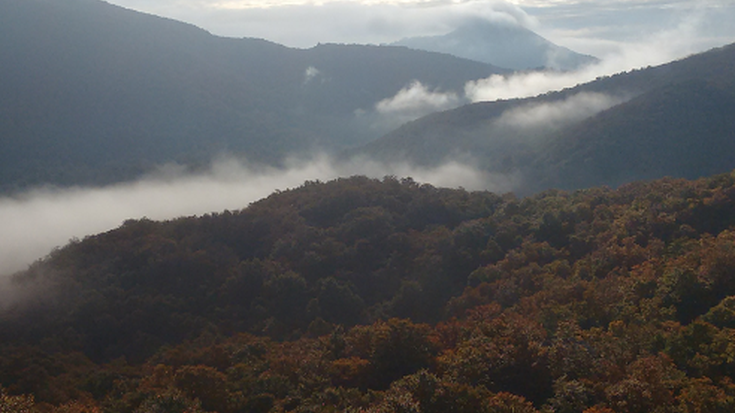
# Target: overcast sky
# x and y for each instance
(597, 27)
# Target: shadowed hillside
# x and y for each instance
(94, 93)
(673, 120)
(683, 129)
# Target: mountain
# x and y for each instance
(94, 93)
(384, 296)
(672, 120)
(502, 44)
(684, 129)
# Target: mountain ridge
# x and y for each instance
(93, 93)
(502, 44)
(476, 133)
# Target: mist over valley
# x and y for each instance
(466, 206)
(39, 220)
(91, 128)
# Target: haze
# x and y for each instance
(599, 27)
(624, 34)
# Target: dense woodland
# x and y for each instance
(367, 295)
(363, 295)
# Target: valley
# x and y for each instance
(476, 219)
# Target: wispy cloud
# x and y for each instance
(310, 74)
(661, 48)
(414, 101)
(557, 113)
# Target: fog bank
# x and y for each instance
(35, 222)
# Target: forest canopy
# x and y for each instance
(388, 295)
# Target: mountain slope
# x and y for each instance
(92, 92)
(676, 122)
(500, 44)
(596, 300)
(683, 129)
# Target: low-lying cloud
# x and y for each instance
(660, 48)
(35, 222)
(415, 101)
(310, 74)
(557, 113)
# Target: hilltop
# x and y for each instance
(374, 295)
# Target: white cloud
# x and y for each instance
(663, 47)
(415, 101)
(310, 73)
(35, 222)
(551, 114)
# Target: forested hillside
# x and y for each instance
(388, 296)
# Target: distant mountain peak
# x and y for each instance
(500, 44)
